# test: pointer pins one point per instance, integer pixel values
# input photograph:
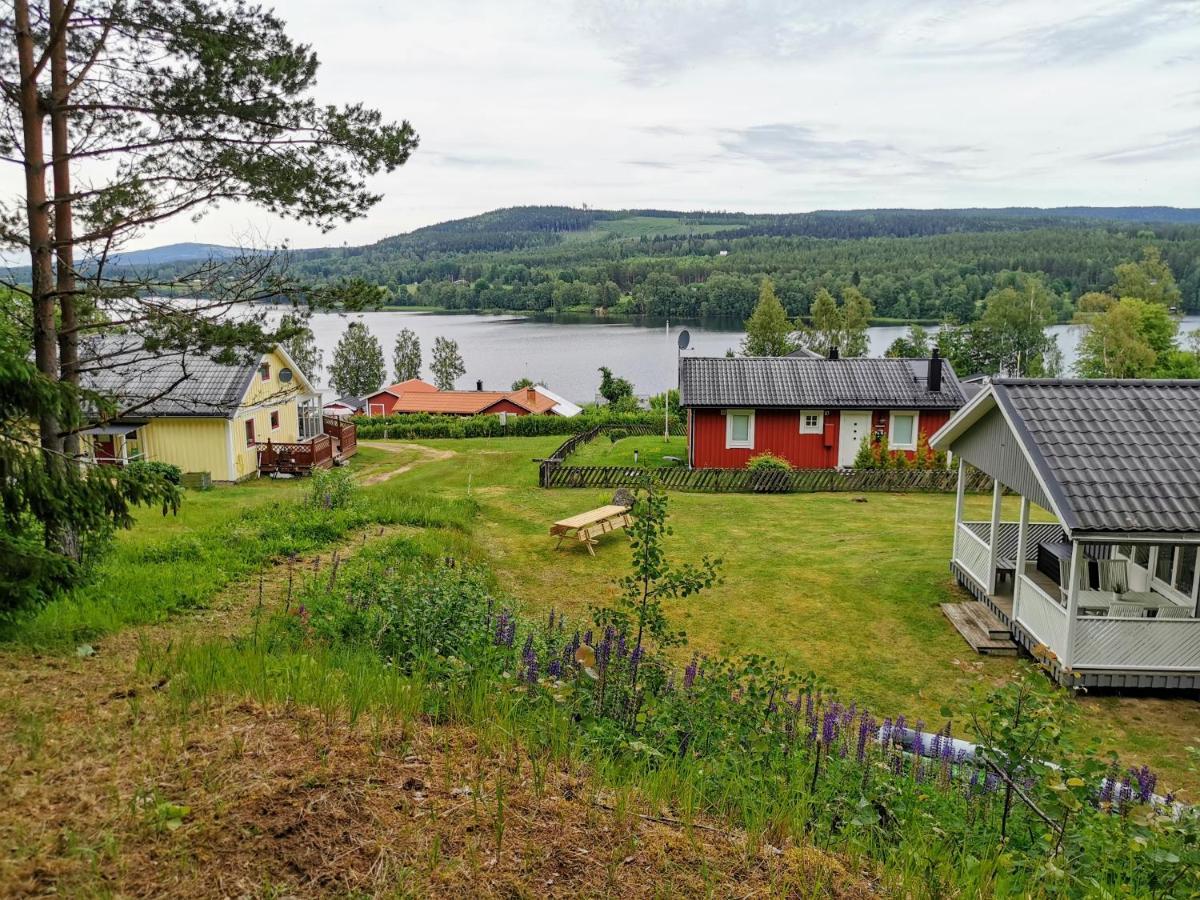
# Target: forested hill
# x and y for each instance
(912, 264)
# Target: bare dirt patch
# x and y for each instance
(428, 454)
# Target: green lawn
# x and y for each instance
(845, 589)
(650, 450)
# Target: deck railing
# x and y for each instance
(1041, 615)
(971, 552)
(296, 456)
(344, 434)
(1120, 643)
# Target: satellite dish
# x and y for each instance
(684, 339)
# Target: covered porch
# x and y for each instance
(1098, 576)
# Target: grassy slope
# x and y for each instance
(650, 449)
(849, 590)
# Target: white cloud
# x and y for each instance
(760, 105)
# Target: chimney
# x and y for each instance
(833, 353)
(531, 394)
(935, 371)
(479, 385)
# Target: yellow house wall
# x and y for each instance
(195, 445)
(245, 459)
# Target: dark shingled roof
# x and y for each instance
(190, 383)
(1118, 455)
(794, 382)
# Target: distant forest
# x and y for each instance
(911, 264)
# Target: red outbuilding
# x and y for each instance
(813, 412)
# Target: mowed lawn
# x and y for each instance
(845, 588)
(650, 449)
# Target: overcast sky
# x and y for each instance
(758, 105)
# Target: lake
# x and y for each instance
(565, 352)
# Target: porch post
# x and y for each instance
(997, 494)
(1022, 545)
(962, 490)
(1067, 657)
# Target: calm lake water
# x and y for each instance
(566, 352)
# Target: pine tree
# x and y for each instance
(357, 367)
(768, 330)
(447, 365)
(406, 357)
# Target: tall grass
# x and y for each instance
(147, 581)
(929, 828)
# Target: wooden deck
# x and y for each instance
(980, 628)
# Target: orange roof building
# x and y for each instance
(415, 396)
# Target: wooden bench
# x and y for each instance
(586, 527)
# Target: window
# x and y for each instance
(1175, 567)
(1162, 568)
(264, 371)
(1141, 555)
(902, 433)
(249, 432)
(1185, 569)
(739, 429)
(274, 420)
(811, 421)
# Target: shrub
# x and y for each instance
(768, 462)
(166, 471)
(331, 488)
(425, 426)
(617, 434)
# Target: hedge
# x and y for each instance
(423, 425)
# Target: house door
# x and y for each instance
(105, 450)
(854, 427)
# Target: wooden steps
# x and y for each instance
(980, 628)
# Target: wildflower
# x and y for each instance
(551, 628)
(1146, 781)
(829, 727)
(529, 657)
(689, 674)
(866, 727)
(635, 660)
(587, 638)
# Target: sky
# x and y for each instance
(758, 105)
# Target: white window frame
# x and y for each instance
(916, 417)
(1168, 588)
(730, 443)
(805, 428)
(376, 409)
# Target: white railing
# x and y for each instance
(1102, 642)
(1042, 615)
(971, 552)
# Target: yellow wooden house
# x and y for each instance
(234, 421)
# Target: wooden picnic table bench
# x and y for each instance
(586, 527)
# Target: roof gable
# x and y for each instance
(797, 382)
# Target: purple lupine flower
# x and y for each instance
(689, 674)
(1146, 781)
(829, 726)
(990, 782)
(587, 638)
(973, 784)
(621, 648)
(885, 732)
(603, 652)
(866, 727)
(918, 751)
(1106, 789)
(555, 669)
(935, 745)
(635, 659)
(551, 628)
(1124, 792)
(671, 683)
(808, 707)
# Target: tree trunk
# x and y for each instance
(64, 238)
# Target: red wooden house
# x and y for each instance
(812, 412)
(416, 396)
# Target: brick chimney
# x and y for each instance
(935, 372)
(531, 394)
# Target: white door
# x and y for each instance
(854, 427)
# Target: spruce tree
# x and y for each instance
(768, 330)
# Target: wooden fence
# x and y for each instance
(554, 473)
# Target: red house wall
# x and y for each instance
(504, 406)
(778, 432)
(386, 400)
(775, 431)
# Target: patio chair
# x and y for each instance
(1127, 611)
(1173, 612)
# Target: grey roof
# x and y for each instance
(166, 383)
(1117, 455)
(797, 382)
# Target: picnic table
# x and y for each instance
(586, 527)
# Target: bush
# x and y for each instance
(166, 471)
(768, 462)
(617, 434)
(331, 488)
